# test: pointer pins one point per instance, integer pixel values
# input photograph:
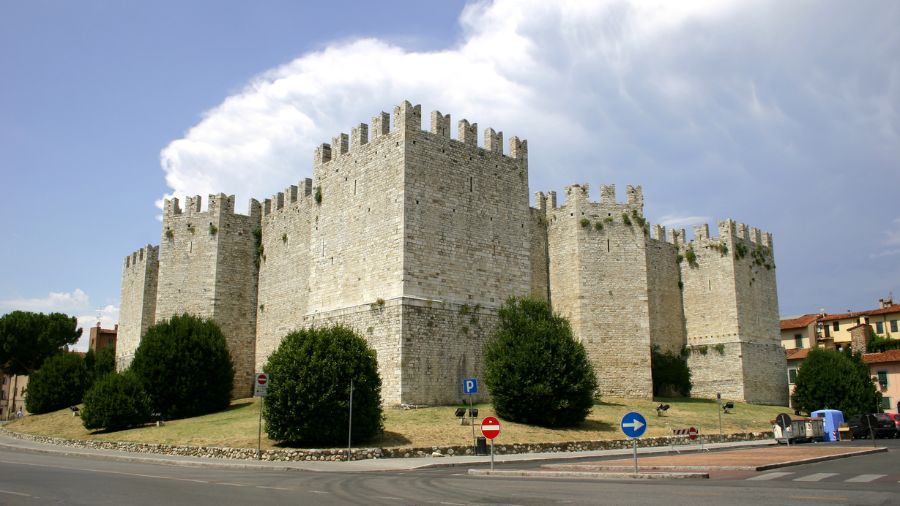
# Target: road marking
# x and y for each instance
(389, 497)
(865, 478)
(14, 493)
(815, 477)
(273, 488)
(818, 498)
(319, 492)
(232, 484)
(769, 476)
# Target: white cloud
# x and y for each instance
(62, 302)
(75, 303)
(680, 221)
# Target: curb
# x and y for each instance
(591, 475)
(813, 460)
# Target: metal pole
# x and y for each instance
(259, 435)
(492, 454)
(634, 446)
(719, 403)
(871, 432)
(472, 422)
(350, 425)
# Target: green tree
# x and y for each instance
(101, 363)
(116, 401)
(185, 367)
(835, 380)
(59, 383)
(671, 374)
(27, 339)
(536, 371)
(309, 389)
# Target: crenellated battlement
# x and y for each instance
(218, 205)
(408, 118)
(293, 194)
(729, 232)
(141, 257)
(578, 194)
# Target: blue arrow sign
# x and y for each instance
(470, 386)
(634, 424)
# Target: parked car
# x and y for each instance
(881, 424)
(896, 418)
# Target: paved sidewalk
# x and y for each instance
(370, 465)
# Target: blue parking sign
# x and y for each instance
(470, 386)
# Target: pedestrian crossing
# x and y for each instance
(814, 477)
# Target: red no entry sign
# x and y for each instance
(692, 433)
(490, 427)
(262, 378)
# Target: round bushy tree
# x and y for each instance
(835, 380)
(185, 367)
(671, 375)
(116, 401)
(309, 388)
(59, 383)
(536, 371)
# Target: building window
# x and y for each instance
(798, 341)
(827, 331)
(886, 403)
(792, 376)
(879, 327)
(836, 325)
(882, 379)
(893, 325)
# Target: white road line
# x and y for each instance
(865, 478)
(232, 484)
(389, 498)
(273, 488)
(769, 476)
(815, 477)
(14, 493)
(319, 492)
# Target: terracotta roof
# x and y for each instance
(894, 308)
(799, 322)
(797, 353)
(878, 358)
(841, 316)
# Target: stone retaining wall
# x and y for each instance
(338, 454)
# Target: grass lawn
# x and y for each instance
(236, 427)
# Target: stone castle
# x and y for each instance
(414, 239)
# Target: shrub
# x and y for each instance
(536, 371)
(309, 388)
(671, 375)
(116, 401)
(59, 383)
(585, 223)
(835, 380)
(100, 364)
(185, 367)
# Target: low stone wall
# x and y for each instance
(338, 454)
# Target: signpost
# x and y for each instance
(470, 387)
(719, 404)
(260, 387)
(634, 425)
(490, 427)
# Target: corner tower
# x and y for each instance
(137, 310)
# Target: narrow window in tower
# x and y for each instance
(709, 281)
(607, 245)
(470, 183)
(190, 246)
(323, 247)
(354, 187)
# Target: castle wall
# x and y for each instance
(283, 267)
(137, 309)
(539, 254)
(598, 278)
(356, 245)
(466, 229)
(207, 269)
(665, 307)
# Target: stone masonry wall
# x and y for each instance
(664, 294)
(356, 244)
(138, 303)
(607, 266)
(540, 263)
(206, 269)
(284, 267)
(466, 215)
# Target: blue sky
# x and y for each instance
(782, 115)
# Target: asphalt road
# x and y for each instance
(37, 479)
